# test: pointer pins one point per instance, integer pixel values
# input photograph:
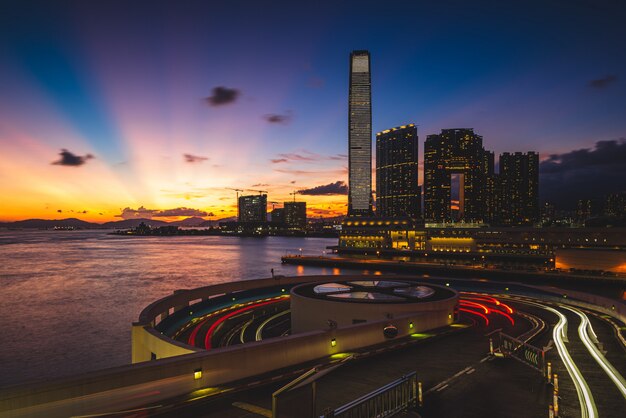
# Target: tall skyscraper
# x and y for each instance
(458, 154)
(519, 179)
(253, 208)
(397, 190)
(360, 135)
(295, 215)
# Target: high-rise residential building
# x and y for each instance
(397, 189)
(360, 135)
(295, 215)
(278, 216)
(455, 154)
(253, 208)
(583, 211)
(615, 205)
(547, 213)
(519, 177)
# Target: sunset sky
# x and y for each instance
(114, 109)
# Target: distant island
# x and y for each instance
(322, 227)
(74, 223)
(228, 229)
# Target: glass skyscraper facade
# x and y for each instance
(397, 189)
(360, 136)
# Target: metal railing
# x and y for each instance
(399, 395)
(519, 350)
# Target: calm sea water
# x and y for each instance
(69, 297)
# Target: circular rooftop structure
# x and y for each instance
(374, 291)
(350, 302)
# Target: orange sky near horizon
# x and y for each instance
(97, 191)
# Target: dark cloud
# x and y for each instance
(190, 158)
(180, 212)
(279, 160)
(587, 173)
(142, 212)
(338, 187)
(276, 118)
(59, 210)
(222, 96)
(260, 185)
(72, 160)
(139, 213)
(603, 82)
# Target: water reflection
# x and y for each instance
(69, 297)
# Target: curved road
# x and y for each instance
(599, 385)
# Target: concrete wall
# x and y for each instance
(309, 313)
(174, 376)
(146, 342)
(611, 307)
(591, 259)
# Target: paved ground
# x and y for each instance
(500, 386)
(459, 379)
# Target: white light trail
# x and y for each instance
(587, 405)
(585, 326)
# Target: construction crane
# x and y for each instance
(237, 190)
(294, 193)
(259, 191)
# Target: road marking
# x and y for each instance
(461, 372)
(253, 408)
(442, 388)
(484, 360)
(472, 370)
(445, 383)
